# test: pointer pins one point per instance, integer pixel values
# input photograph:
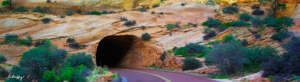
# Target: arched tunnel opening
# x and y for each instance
(112, 50)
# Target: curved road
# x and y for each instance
(149, 75)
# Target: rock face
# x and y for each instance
(291, 6)
(127, 4)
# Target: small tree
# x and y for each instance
(191, 64)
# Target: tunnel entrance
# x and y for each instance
(112, 50)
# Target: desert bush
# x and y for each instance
(260, 54)
(48, 1)
(229, 57)
(17, 71)
(70, 13)
(228, 38)
(5, 2)
(130, 23)
(41, 9)
(194, 48)
(2, 59)
(244, 42)
(21, 9)
(75, 45)
(245, 17)
(230, 9)
(285, 21)
(66, 73)
(258, 12)
(81, 58)
(280, 36)
(191, 64)
(3, 73)
(153, 12)
(146, 37)
(257, 22)
(210, 34)
(24, 42)
(183, 4)
(163, 56)
(176, 25)
(94, 13)
(104, 12)
(155, 5)
(255, 6)
(46, 20)
(39, 42)
(170, 26)
(214, 23)
(273, 66)
(70, 40)
(143, 27)
(285, 66)
(11, 37)
(239, 23)
(143, 9)
(123, 19)
(162, 13)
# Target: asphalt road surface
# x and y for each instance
(149, 75)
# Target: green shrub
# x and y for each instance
(260, 54)
(2, 59)
(210, 34)
(143, 27)
(230, 9)
(191, 64)
(70, 13)
(46, 20)
(244, 42)
(146, 36)
(3, 73)
(11, 37)
(70, 40)
(163, 56)
(255, 6)
(81, 58)
(94, 13)
(104, 12)
(195, 48)
(183, 51)
(21, 9)
(25, 42)
(214, 23)
(285, 21)
(153, 12)
(5, 2)
(130, 23)
(228, 38)
(41, 9)
(239, 23)
(170, 26)
(280, 36)
(123, 19)
(155, 5)
(228, 57)
(245, 17)
(258, 12)
(48, 1)
(257, 22)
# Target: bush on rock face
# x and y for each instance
(230, 9)
(245, 17)
(239, 23)
(146, 36)
(21, 9)
(191, 64)
(46, 20)
(214, 23)
(280, 36)
(130, 23)
(2, 59)
(210, 34)
(258, 12)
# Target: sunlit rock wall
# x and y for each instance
(291, 7)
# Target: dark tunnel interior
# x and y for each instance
(112, 49)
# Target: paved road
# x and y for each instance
(149, 75)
